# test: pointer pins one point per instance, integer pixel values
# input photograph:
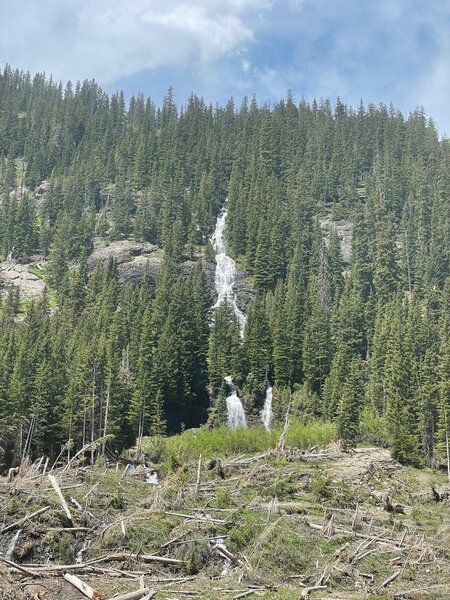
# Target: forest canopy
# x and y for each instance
(362, 341)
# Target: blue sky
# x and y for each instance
(375, 50)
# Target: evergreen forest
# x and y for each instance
(361, 341)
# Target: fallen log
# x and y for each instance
(377, 539)
(244, 594)
(20, 522)
(305, 593)
(223, 551)
(82, 587)
(69, 529)
(14, 565)
(59, 493)
(147, 592)
(195, 517)
(117, 557)
(123, 556)
(390, 579)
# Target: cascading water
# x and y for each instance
(81, 551)
(235, 410)
(225, 276)
(12, 545)
(224, 280)
(266, 413)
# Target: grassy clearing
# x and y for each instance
(224, 442)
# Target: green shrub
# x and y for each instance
(61, 546)
(223, 498)
(322, 488)
(373, 428)
(117, 501)
(194, 555)
(247, 527)
(224, 442)
(281, 488)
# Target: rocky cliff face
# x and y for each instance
(133, 260)
(344, 229)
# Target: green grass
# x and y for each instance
(41, 273)
(223, 442)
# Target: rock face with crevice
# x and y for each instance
(132, 258)
(344, 229)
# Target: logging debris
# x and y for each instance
(288, 523)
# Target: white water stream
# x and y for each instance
(224, 280)
(225, 276)
(12, 545)
(79, 555)
(235, 410)
(266, 413)
(151, 477)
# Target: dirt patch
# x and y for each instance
(362, 461)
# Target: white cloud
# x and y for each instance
(112, 39)
(245, 64)
(433, 90)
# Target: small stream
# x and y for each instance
(8, 542)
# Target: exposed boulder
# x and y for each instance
(244, 291)
(133, 260)
(31, 286)
(209, 268)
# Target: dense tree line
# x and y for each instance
(365, 344)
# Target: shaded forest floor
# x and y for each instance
(315, 523)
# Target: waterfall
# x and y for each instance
(235, 410)
(266, 413)
(79, 555)
(12, 545)
(225, 276)
(224, 280)
(151, 477)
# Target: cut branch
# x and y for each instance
(82, 587)
(147, 592)
(59, 493)
(17, 524)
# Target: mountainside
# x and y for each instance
(338, 227)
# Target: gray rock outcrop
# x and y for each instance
(344, 229)
(133, 260)
(31, 287)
